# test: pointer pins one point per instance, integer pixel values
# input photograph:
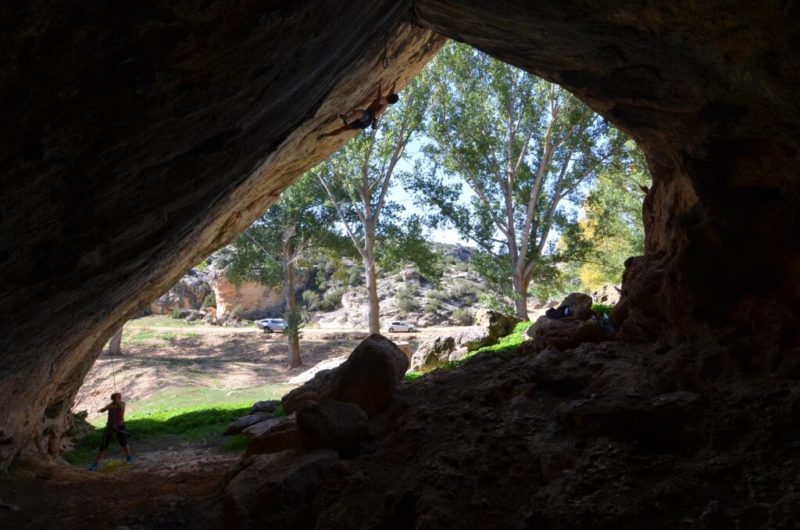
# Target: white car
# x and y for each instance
(401, 326)
(272, 324)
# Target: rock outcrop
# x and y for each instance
(246, 300)
(437, 351)
(136, 143)
(368, 378)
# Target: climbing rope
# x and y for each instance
(113, 371)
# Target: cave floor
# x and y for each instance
(161, 489)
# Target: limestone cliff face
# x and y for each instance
(248, 299)
(137, 140)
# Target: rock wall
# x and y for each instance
(138, 140)
(248, 300)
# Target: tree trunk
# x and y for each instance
(115, 344)
(373, 311)
(520, 293)
(292, 315)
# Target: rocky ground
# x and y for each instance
(608, 435)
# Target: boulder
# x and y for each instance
(242, 423)
(275, 491)
(265, 406)
(332, 424)
(607, 294)
(579, 304)
(564, 333)
(272, 435)
(368, 378)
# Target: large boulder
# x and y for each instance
(564, 333)
(272, 435)
(579, 304)
(491, 327)
(368, 378)
(332, 424)
(237, 426)
(275, 491)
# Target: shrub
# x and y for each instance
(210, 300)
(497, 303)
(463, 289)
(433, 305)
(311, 299)
(603, 309)
(355, 279)
(463, 316)
(332, 299)
(437, 295)
(177, 313)
(407, 298)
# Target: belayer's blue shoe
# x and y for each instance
(130, 459)
(93, 467)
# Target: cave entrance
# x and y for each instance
(466, 127)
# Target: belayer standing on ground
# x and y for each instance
(362, 118)
(115, 425)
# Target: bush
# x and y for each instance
(497, 303)
(463, 290)
(407, 298)
(311, 299)
(177, 314)
(463, 317)
(355, 279)
(433, 305)
(210, 300)
(332, 299)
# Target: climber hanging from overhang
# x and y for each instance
(358, 119)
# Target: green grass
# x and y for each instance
(510, 342)
(178, 414)
(603, 309)
(202, 424)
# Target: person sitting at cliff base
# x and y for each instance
(358, 119)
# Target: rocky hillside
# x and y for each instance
(333, 293)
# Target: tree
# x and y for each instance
(357, 180)
(522, 145)
(613, 218)
(276, 244)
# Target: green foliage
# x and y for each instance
(432, 305)
(463, 289)
(613, 220)
(463, 317)
(202, 266)
(210, 300)
(311, 299)
(603, 309)
(332, 299)
(176, 314)
(495, 302)
(354, 278)
(509, 343)
(407, 299)
(522, 146)
(193, 423)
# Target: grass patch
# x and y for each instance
(413, 376)
(189, 424)
(603, 309)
